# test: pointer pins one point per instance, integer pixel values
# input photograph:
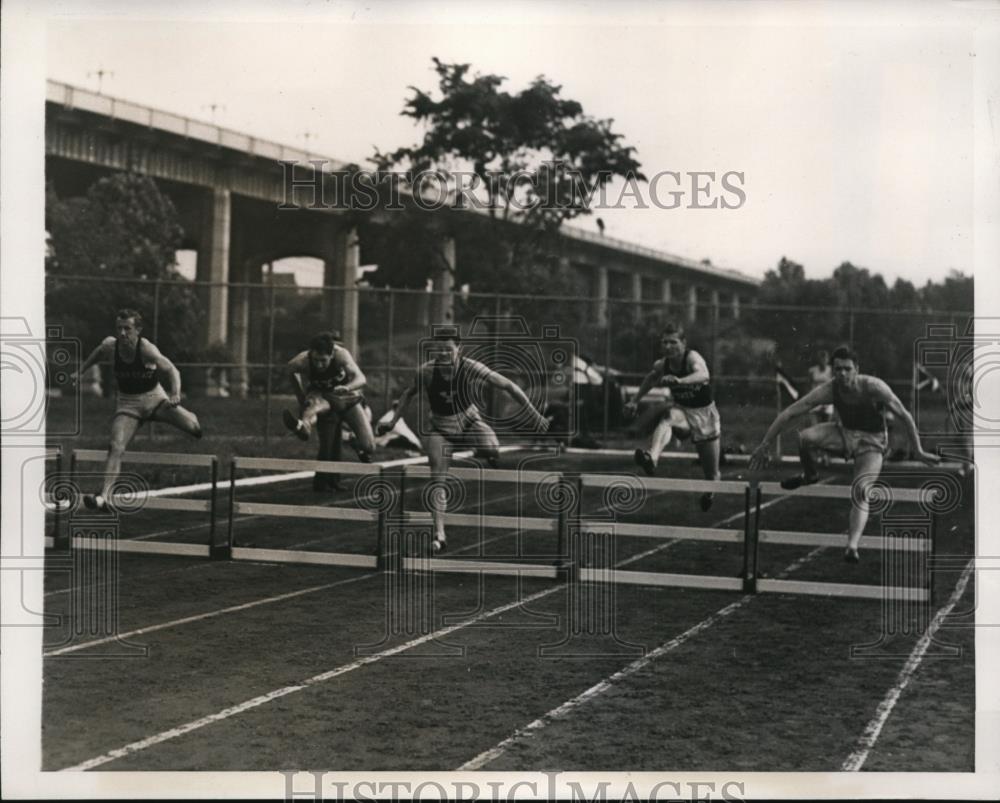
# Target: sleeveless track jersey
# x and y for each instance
(134, 377)
(454, 395)
(863, 412)
(688, 395)
(327, 379)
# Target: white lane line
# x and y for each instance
(173, 733)
(856, 760)
(199, 617)
(529, 730)
(558, 713)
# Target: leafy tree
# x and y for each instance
(854, 306)
(123, 229)
(533, 160)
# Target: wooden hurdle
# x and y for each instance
(544, 568)
(157, 500)
(834, 540)
(320, 512)
(587, 525)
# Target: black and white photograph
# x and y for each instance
(500, 401)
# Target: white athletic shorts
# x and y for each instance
(704, 422)
(141, 406)
(466, 428)
(836, 439)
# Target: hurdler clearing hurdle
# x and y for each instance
(451, 382)
(860, 433)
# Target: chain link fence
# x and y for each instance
(268, 324)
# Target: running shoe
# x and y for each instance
(438, 545)
(94, 502)
(706, 501)
(791, 483)
(295, 425)
(852, 556)
(644, 460)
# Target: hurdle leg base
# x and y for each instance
(222, 552)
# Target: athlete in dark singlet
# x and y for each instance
(452, 383)
(860, 433)
(685, 372)
(328, 383)
(141, 398)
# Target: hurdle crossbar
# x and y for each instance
(619, 528)
(460, 565)
(149, 458)
(322, 466)
(146, 547)
(825, 589)
(840, 492)
(490, 474)
(956, 465)
(195, 505)
(524, 523)
(656, 484)
(304, 511)
(838, 540)
(302, 556)
(663, 579)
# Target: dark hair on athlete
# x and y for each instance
(673, 328)
(443, 333)
(845, 353)
(128, 312)
(323, 343)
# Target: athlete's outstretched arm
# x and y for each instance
(93, 357)
(654, 376)
(821, 395)
(515, 392)
(885, 395)
(402, 403)
(297, 367)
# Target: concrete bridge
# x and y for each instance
(227, 187)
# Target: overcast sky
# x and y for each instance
(854, 136)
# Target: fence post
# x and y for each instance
(270, 360)
(494, 405)
(388, 348)
(151, 432)
(607, 368)
(850, 328)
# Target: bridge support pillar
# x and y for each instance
(666, 294)
(637, 296)
(213, 264)
(601, 294)
(340, 306)
(239, 338)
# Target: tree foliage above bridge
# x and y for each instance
(532, 159)
(123, 229)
